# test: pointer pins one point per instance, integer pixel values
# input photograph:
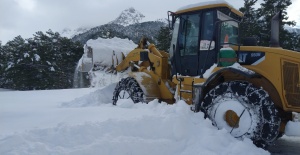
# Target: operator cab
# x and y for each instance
(199, 32)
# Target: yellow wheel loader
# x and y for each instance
(249, 90)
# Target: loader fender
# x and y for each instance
(147, 84)
(217, 78)
(243, 72)
(240, 74)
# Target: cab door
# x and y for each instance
(194, 37)
(188, 45)
(207, 50)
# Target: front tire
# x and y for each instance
(244, 110)
(128, 88)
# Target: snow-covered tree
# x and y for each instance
(249, 26)
(164, 38)
(265, 13)
(257, 22)
(46, 61)
(2, 62)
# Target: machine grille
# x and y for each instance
(291, 83)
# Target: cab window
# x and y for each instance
(188, 37)
(229, 29)
(208, 26)
(174, 37)
(229, 32)
(207, 41)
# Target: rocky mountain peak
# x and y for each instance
(128, 17)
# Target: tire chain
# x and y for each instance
(130, 85)
(256, 98)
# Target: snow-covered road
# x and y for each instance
(83, 121)
(287, 145)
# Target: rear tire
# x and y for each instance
(128, 88)
(244, 110)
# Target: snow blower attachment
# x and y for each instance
(87, 63)
(250, 91)
(100, 55)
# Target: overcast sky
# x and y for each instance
(25, 17)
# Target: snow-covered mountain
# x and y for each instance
(133, 32)
(70, 33)
(292, 29)
(128, 25)
(128, 17)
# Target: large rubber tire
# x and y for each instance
(257, 115)
(128, 88)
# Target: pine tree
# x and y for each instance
(2, 62)
(13, 62)
(164, 38)
(46, 61)
(249, 26)
(268, 9)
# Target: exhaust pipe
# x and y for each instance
(275, 24)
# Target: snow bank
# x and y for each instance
(100, 96)
(292, 129)
(137, 129)
(27, 110)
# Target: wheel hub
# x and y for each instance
(123, 95)
(229, 114)
(232, 119)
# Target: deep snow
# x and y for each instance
(83, 121)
